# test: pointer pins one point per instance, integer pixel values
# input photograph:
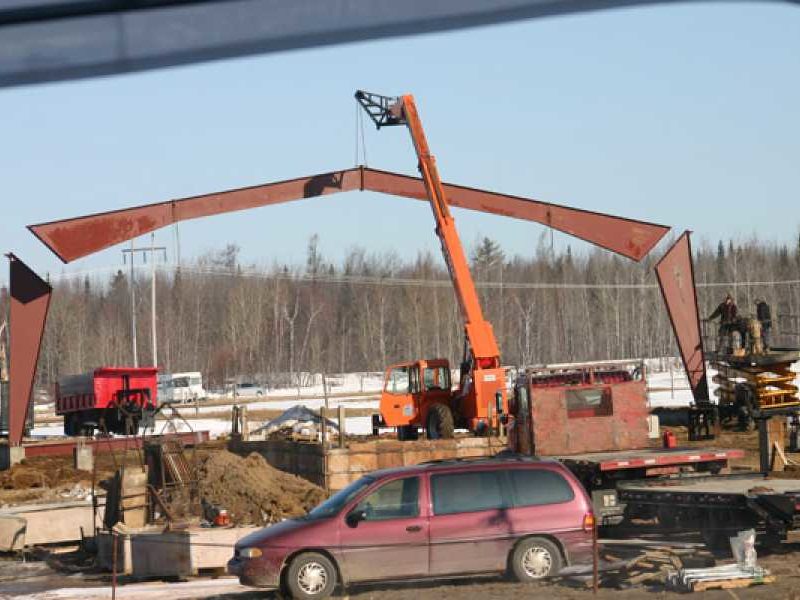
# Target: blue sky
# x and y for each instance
(684, 115)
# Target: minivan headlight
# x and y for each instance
(249, 552)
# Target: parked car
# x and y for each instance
(246, 390)
(523, 515)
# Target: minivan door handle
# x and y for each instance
(413, 528)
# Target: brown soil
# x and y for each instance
(254, 492)
(47, 478)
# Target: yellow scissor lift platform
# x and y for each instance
(769, 377)
(756, 387)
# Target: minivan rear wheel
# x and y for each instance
(310, 576)
(534, 559)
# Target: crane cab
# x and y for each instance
(419, 394)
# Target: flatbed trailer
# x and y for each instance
(718, 506)
(602, 473)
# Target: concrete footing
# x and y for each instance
(10, 456)
(83, 457)
(153, 552)
(40, 524)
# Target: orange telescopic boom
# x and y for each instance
(482, 380)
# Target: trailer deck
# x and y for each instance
(718, 506)
(751, 484)
(652, 457)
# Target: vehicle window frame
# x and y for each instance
(390, 381)
(443, 371)
(504, 487)
(605, 408)
(414, 385)
(348, 504)
(513, 488)
(378, 484)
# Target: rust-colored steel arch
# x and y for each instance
(30, 300)
(77, 237)
(675, 272)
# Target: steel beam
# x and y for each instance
(675, 272)
(77, 237)
(30, 300)
(628, 237)
(64, 447)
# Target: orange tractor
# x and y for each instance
(419, 393)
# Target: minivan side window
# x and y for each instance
(398, 499)
(535, 487)
(470, 491)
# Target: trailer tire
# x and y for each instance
(534, 559)
(440, 424)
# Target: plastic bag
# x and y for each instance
(743, 546)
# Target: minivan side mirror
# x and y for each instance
(354, 517)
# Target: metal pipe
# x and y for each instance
(133, 312)
(153, 296)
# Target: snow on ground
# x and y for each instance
(185, 590)
(666, 381)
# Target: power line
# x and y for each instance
(390, 280)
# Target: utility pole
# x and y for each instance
(145, 251)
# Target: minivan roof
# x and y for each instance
(501, 460)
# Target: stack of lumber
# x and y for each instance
(650, 566)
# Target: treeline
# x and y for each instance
(228, 320)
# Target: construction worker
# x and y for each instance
(764, 315)
(728, 314)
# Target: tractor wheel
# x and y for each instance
(440, 423)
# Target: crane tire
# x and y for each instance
(440, 424)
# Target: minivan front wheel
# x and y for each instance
(535, 559)
(311, 575)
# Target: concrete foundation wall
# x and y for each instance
(152, 552)
(334, 468)
(36, 524)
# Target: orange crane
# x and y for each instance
(418, 393)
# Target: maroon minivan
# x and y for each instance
(521, 515)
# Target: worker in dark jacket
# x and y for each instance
(728, 314)
(764, 314)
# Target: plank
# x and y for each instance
(730, 584)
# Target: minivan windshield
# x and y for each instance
(333, 505)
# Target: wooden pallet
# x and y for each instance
(730, 584)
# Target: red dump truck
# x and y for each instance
(108, 399)
(593, 417)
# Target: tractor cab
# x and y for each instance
(418, 394)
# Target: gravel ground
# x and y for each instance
(36, 581)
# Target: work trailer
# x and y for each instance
(595, 419)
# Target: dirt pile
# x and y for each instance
(253, 491)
